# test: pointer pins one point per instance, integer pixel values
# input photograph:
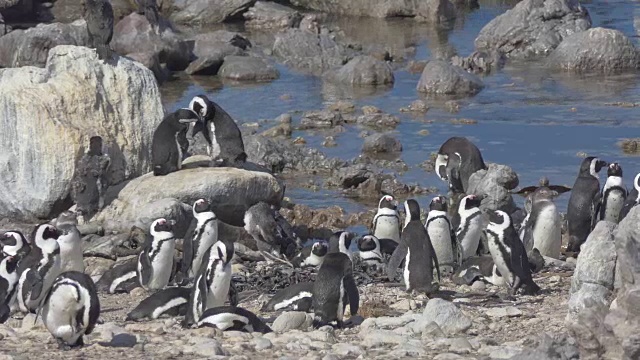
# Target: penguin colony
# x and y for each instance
(44, 273)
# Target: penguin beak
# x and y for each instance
(600, 164)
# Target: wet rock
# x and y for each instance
(378, 120)
(343, 106)
(329, 141)
(152, 62)
(282, 129)
(210, 50)
(291, 320)
(273, 16)
(595, 50)
(247, 68)
(630, 146)
(207, 11)
(439, 77)
(381, 143)
(363, 70)
(495, 182)
(480, 62)
(31, 47)
(533, 28)
(320, 119)
(432, 10)
(418, 106)
(447, 315)
(130, 111)
(597, 260)
(134, 34)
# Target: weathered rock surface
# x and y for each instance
(291, 320)
(247, 68)
(495, 182)
(432, 10)
(597, 50)
(210, 50)
(122, 102)
(440, 77)
(152, 62)
(597, 260)
(363, 70)
(273, 16)
(31, 47)
(207, 11)
(320, 119)
(444, 313)
(381, 143)
(533, 27)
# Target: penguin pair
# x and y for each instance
(442, 236)
(457, 159)
(13, 248)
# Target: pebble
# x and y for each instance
(423, 132)
(448, 356)
(291, 320)
(345, 349)
(329, 141)
(262, 343)
(499, 312)
(478, 286)
(370, 110)
(138, 292)
(207, 349)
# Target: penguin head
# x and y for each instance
(46, 236)
(636, 183)
(223, 251)
(203, 207)
(68, 233)
(12, 242)
(388, 202)
(544, 181)
(340, 241)
(441, 166)
(320, 248)
(543, 193)
(182, 118)
(412, 211)
(614, 169)
(591, 166)
(471, 201)
(202, 106)
(438, 203)
(161, 228)
(9, 264)
(368, 243)
(498, 221)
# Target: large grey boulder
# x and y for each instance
(210, 50)
(596, 50)
(76, 96)
(272, 16)
(533, 27)
(495, 182)
(247, 68)
(433, 10)
(31, 47)
(440, 77)
(363, 70)
(381, 143)
(597, 260)
(207, 11)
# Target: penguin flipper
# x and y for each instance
(435, 260)
(352, 292)
(595, 209)
(399, 254)
(187, 249)
(144, 268)
(560, 189)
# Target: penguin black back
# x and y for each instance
(458, 158)
(166, 150)
(421, 256)
(100, 20)
(333, 288)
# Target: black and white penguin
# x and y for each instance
(70, 242)
(543, 227)
(166, 149)
(469, 225)
(509, 254)
(8, 282)
(260, 222)
(633, 198)
(155, 262)
(39, 268)
(121, 277)
(370, 252)
(386, 222)
(220, 131)
(297, 297)
(441, 235)
(311, 256)
(99, 17)
(543, 182)
(333, 289)
(340, 241)
(584, 203)
(212, 282)
(233, 318)
(170, 301)
(202, 233)
(614, 194)
(457, 159)
(13, 243)
(71, 308)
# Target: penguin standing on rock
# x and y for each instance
(457, 159)
(633, 198)
(469, 225)
(155, 262)
(441, 235)
(614, 194)
(386, 222)
(99, 17)
(333, 289)
(202, 233)
(166, 146)
(543, 226)
(584, 203)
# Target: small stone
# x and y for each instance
(262, 343)
(423, 132)
(291, 320)
(431, 330)
(452, 106)
(478, 286)
(449, 356)
(447, 315)
(343, 106)
(370, 110)
(329, 141)
(285, 97)
(419, 106)
(138, 292)
(209, 349)
(405, 304)
(299, 141)
(345, 349)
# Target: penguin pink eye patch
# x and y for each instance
(388, 198)
(162, 221)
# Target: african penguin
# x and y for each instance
(166, 147)
(311, 256)
(121, 277)
(333, 289)
(508, 253)
(633, 198)
(543, 227)
(543, 182)
(220, 131)
(98, 15)
(71, 308)
(457, 159)
(13, 243)
(475, 268)
(584, 203)
(202, 233)
(155, 262)
(340, 241)
(469, 225)
(170, 301)
(386, 222)
(614, 194)
(212, 282)
(297, 297)
(233, 318)
(441, 235)
(260, 222)
(370, 252)
(70, 242)
(8, 282)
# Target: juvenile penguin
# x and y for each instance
(70, 242)
(233, 318)
(508, 253)
(544, 224)
(457, 159)
(71, 308)
(469, 225)
(441, 235)
(633, 198)
(211, 287)
(166, 149)
(584, 203)
(202, 233)
(8, 282)
(370, 252)
(311, 256)
(333, 289)
(99, 17)
(155, 262)
(220, 131)
(170, 301)
(614, 194)
(386, 222)
(297, 297)
(121, 277)
(260, 222)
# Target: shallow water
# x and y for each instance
(532, 120)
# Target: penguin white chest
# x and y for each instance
(10, 278)
(341, 304)
(312, 260)
(499, 259)
(471, 237)
(60, 314)
(547, 237)
(440, 235)
(162, 265)
(214, 152)
(209, 237)
(615, 201)
(219, 289)
(179, 149)
(387, 227)
(405, 273)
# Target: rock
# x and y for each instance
(430, 330)
(272, 16)
(343, 106)
(134, 34)
(247, 68)
(90, 181)
(439, 77)
(480, 62)
(432, 10)
(495, 182)
(210, 50)
(31, 47)
(206, 347)
(499, 312)
(203, 12)
(320, 119)
(384, 322)
(595, 50)
(345, 349)
(377, 338)
(560, 347)
(597, 260)
(406, 304)
(168, 208)
(151, 61)
(262, 343)
(478, 286)
(226, 188)
(450, 319)
(533, 28)
(378, 120)
(311, 52)
(381, 143)
(363, 70)
(449, 356)
(291, 320)
(70, 84)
